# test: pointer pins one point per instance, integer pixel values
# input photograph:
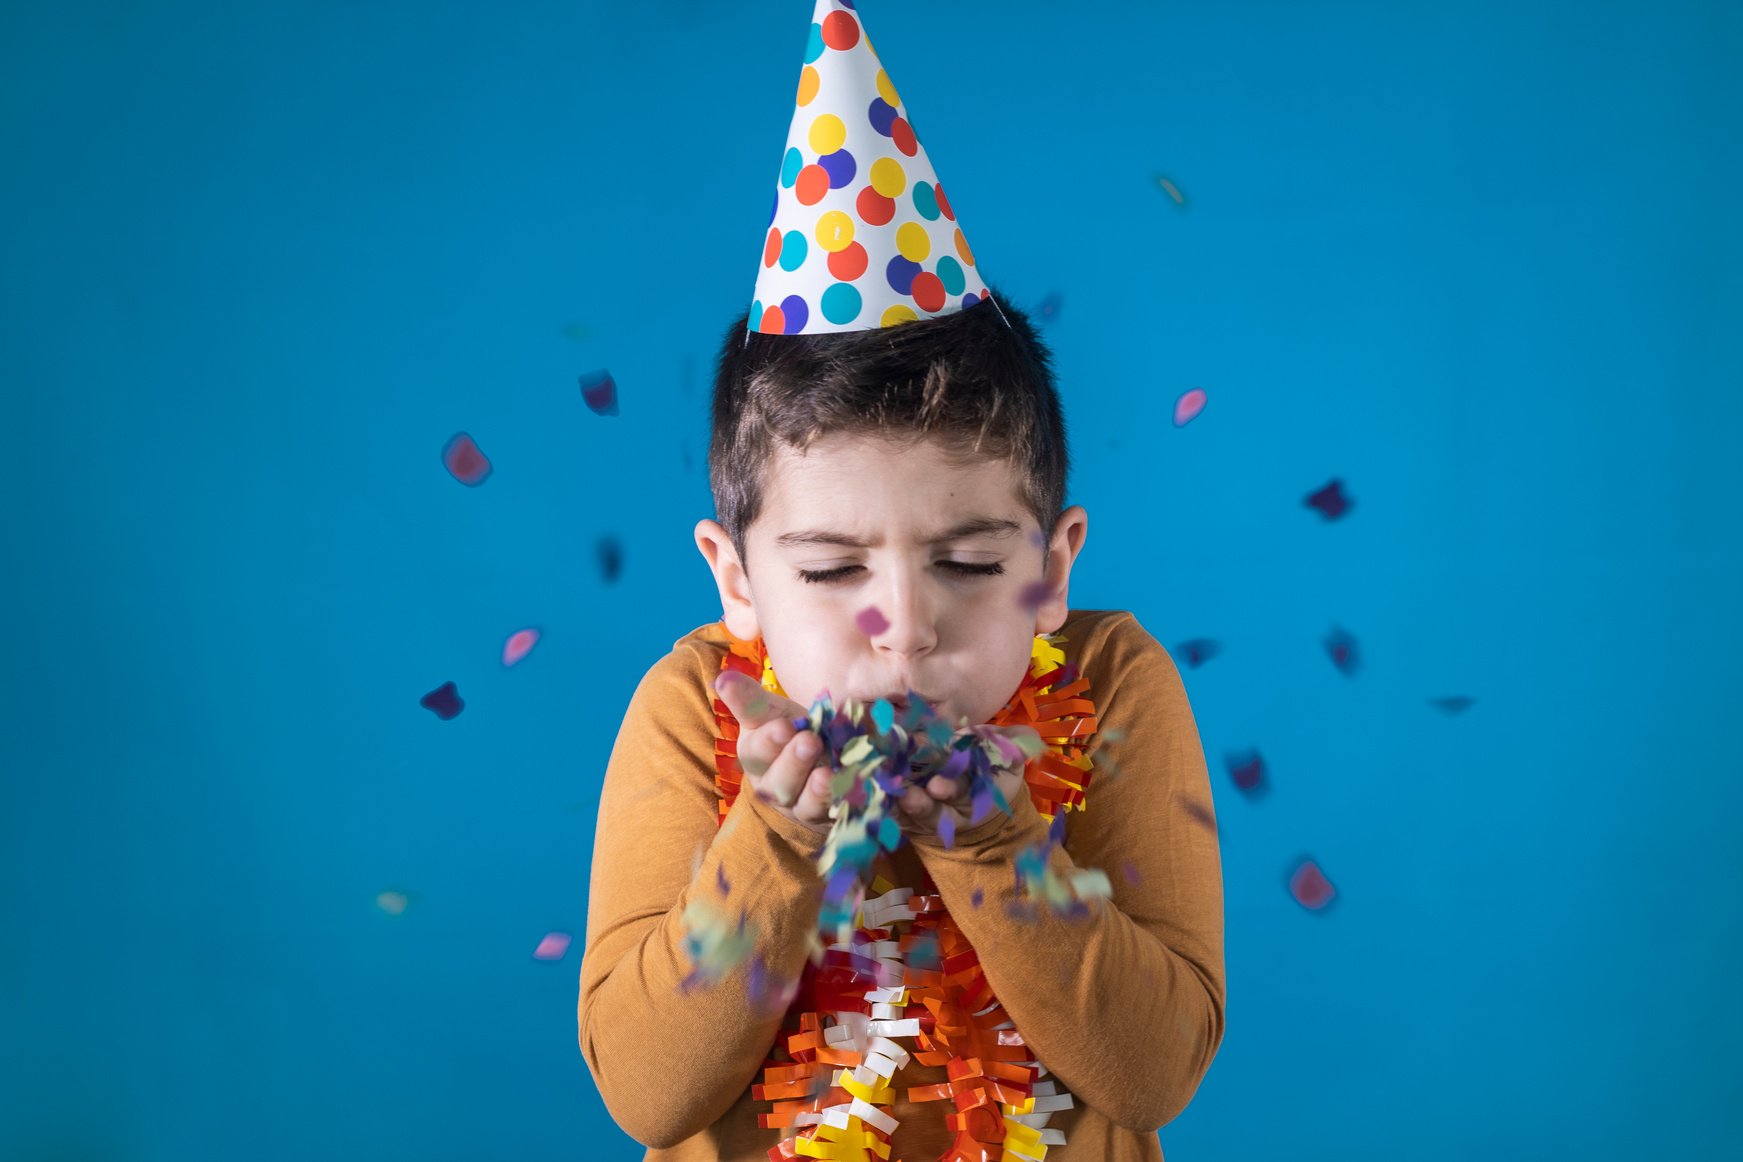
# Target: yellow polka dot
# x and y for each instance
(962, 248)
(828, 134)
(887, 90)
(887, 177)
(913, 242)
(808, 84)
(899, 314)
(835, 231)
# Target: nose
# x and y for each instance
(907, 606)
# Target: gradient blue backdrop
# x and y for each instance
(262, 259)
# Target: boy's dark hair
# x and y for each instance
(982, 387)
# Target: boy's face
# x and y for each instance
(872, 522)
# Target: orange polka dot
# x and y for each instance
(928, 291)
(875, 209)
(809, 83)
(962, 248)
(774, 322)
(772, 247)
(849, 263)
(813, 183)
(840, 31)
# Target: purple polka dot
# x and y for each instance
(882, 115)
(840, 167)
(901, 274)
(774, 207)
(796, 313)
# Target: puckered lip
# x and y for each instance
(900, 701)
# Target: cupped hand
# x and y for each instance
(782, 765)
(921, 808)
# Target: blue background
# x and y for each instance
(262, 260)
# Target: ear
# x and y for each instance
(730, 577)
(1069, 532)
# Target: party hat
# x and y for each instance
(861, 235)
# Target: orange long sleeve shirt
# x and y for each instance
(1124, 1008)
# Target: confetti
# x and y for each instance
(871, 621)
(1340, 647)
(464, 462)
(1034, 595)
(392, 902)
(1187, 407)
(1455, 704)
(1308, 885)
(1198, 651)
(552, 947)
(1247, 769)
(714, 944)
(579, 332)
(600, 392)
(444, 701)
(520, 643)
(1129, 870)
(1197, 811)
(977, 899)
(1172, 190)
(721, 881)
(1049, 308)
(610, 558)
(1330, 501)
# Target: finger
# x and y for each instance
(759, 748)
(750, 703)
(813, 804)
(943, 788)
(786, 776)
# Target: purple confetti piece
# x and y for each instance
(600, 392)
(1131, 871)
(610, 551)
(1309, 886)
(975, 900)
(1247, 769)
(444, 701)
(871, 621)
(947, 826)
(1034, 595)
(721, 881)
(1341, 648)
(1198, 651)
(1330, 501)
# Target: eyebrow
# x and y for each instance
(974, 526)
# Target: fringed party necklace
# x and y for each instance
(908, 985)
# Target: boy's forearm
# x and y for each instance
(668, 1060)
(1129, 1025)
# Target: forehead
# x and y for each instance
(846, 477)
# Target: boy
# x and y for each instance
(889, 470)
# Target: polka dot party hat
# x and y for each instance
(862, 235)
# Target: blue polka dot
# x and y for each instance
(814, 46)
(790, 167)
(882, 114)
(950, 274)
(793, 252)
(841, 304)
(926, 202)
(796, 313)
(840, 167)
(774, 207)
(901, 274)
(756, 314)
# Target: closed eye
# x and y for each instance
(964, 568)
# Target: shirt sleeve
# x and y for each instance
(1125, 1006)
(668, 1061)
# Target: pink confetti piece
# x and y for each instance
(552, 947)
(520, 643)
(1330, 501)
(1198, 812)
(871, 621)
(1050, 306)
(1454, 704)
(1034, 595)
(464, 462)
(1187, 407)
(444, 701)
(1310, 887)
(1172, 190)
(1340, 647)
(600, 392)
(1198, 651)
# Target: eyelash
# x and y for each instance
(823, 577)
